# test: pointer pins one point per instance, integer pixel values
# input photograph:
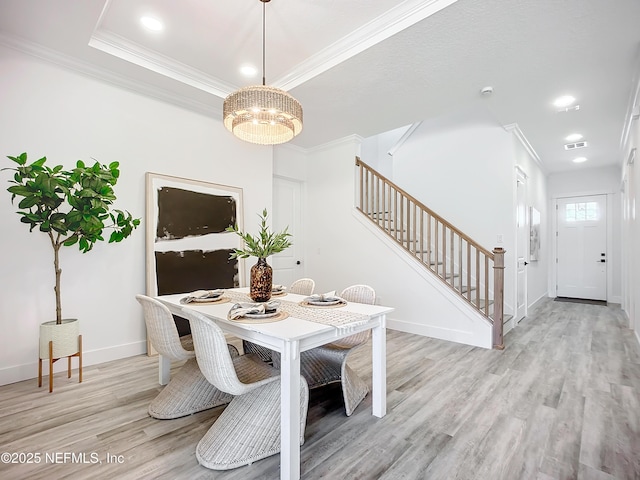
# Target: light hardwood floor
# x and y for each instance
(562, 401)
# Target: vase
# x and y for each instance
(261, 281)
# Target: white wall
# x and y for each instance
(47, 110)
(592, 181)
(342, 250)
(631, 219)
(463, 167)
(376, 150)
(465, 173)
(289, 162)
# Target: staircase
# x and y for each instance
(473, 272)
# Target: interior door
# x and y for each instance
(522, 249)
(287, 195)
(582, 247)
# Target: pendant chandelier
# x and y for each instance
(261, 114)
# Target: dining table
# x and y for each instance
(305, 327)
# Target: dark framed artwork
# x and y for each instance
(187, 247)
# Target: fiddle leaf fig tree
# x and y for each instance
(72, 207)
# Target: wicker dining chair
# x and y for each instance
(303, 286)
(328, 363)
(249, 427)
(188, 391)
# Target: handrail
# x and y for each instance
(454, 257)
(421, 205)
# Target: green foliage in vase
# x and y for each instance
(266, 243)
(69, 206)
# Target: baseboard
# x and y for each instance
(18, 373)
(451, 335)
(538, 300)
(615, 299)
(508, 325)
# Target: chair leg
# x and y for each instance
(353, 389)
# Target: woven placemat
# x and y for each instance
(276, 318)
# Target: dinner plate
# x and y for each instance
(206, 300)
(261, 315)
(322, 303)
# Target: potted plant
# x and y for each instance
(72, 207)
(262, 246)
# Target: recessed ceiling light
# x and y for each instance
(564, 101)
(151, 23)
(574, 137)
(248, 70)
(579, 159)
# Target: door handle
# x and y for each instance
(601, 261)
(526, 263)
(298, 262)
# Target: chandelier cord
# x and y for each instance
(261, 114)
(264, 7)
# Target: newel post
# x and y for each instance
(498, 296)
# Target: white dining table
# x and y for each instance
(290, 337)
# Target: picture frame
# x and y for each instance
(187, 245)
(534, 235)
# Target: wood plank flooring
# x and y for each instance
(562, 401)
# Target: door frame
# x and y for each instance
(553, 271)
(521, 176)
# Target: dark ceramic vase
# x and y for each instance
(261, 281)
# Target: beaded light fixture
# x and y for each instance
(261, 114)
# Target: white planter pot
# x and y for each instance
(63, 336)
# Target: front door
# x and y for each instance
(582, 247)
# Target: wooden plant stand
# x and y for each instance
(53, 360)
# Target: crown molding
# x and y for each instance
(350, 140)
(515, 129)
(633, 106)
(106, 76)
(136, 54)
(389, 23)
(377, 30)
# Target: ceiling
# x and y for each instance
(365, 66)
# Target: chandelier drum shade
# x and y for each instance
(262, 114)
